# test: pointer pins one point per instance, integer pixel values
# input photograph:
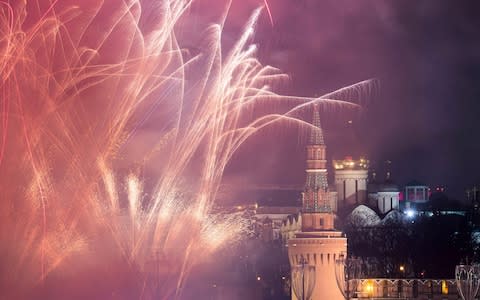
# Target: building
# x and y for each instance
(269, 220)
(318, 244)
(290, 227)
(384, 196)
(383, 289)
(473, 197)
(416, 194)
(351, 178)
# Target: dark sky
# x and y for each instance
(426, 55)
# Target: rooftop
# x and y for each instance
(351, 164)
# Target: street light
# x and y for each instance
(410, 213)
(368, 287)
(303, 279)
(347, 274)
(467, 278)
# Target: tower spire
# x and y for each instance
(316, 196)
(316, 134)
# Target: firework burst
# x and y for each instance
(78, 82)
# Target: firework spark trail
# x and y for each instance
(267, 6)
(77, 86)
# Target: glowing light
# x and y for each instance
(410, 213)
(350, 163)
(368, 287)
(444, 287)
(402, 268)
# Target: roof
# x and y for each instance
(284, 210)
(388, 186)
(363, 216)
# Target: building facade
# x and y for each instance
(384, 196)
(416, 194)
(415, 289)
(351, 179)
(269, 220)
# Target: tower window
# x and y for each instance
(321, 222)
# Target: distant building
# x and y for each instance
(384, 196)
(416, 192)
(290, 227)
(381, 288)
(269, 220)
(416, 197)
(351, 178)
(473, 196)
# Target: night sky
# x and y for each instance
(426, 55)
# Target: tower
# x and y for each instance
(319, 244)
(351, 178)
(318, 201)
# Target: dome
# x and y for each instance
(394, 217)
(363, 216)
(388, 186)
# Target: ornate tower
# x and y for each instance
(318, 202)
(319, 244)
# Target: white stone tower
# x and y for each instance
(351, 179)
(319, 244)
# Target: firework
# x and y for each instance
(79, 80)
